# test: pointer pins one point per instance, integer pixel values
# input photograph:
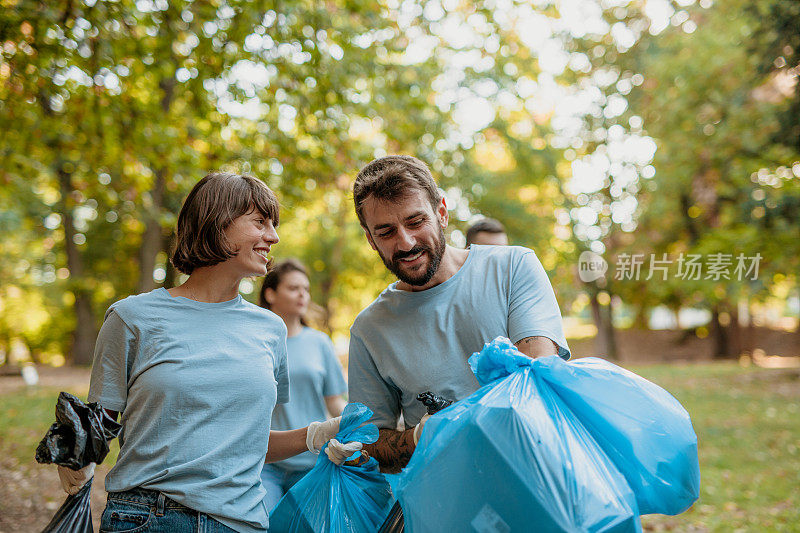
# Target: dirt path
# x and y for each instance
(31, 494)
(64, 377)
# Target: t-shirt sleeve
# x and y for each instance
(365, 385)
(282, 371)
(533, 309)
(114, 353)
(334, 383)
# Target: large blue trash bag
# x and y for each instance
(338, 499)
(512, 457)
(644, 430)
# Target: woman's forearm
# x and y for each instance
(285, 444)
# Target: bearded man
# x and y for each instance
(418, 334)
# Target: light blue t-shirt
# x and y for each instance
(405, 343)
(314, 373)
(196, 384)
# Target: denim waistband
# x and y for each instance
(147, 497)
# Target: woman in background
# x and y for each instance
(314, 372)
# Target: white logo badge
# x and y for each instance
(591, 266)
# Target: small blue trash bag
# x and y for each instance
(338, 499)
(512, 457)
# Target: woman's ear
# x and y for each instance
(269, 295)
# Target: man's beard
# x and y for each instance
(435, 258)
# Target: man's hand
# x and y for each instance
(321, 432)
(73, 480)
(537, 347)
(393, 449)
(418, 428)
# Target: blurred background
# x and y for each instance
(658, 140)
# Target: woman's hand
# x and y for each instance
(338, 452)
(73, 480)
(321, 432)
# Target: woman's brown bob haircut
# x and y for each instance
(216, 201)
(392, 178)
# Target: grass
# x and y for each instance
(748, 426)
(747, 421)
(25, 418)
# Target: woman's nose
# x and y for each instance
(271, 234)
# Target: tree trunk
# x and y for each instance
(605, 341)
(152, 238)
(171, 278)
(735, 346)
(719, 334)
(611, 332)
(641, 319)
(84, 336)
(748, 332)
(334, 264)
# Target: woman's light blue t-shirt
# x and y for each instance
(314, 373)
(196, 384)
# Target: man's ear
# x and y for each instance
(442, 213)
(369, 238)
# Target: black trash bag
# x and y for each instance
(79, 436)
(395, 523)
(75, 515)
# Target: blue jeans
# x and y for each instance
(141, 510)
(277, 481)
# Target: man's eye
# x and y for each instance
(415, 223)
(384, 234)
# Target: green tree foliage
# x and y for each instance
(114, 109)
(715, 116)
(111, 111)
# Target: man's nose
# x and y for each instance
(405, 239)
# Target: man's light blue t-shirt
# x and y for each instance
(196, 384)
(314, 373)
(405, 343)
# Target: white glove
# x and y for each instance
(338, 452)
(73, 480)
(418, 428)
(321, 432)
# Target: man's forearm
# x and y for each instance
(392, 450)
(537, 346)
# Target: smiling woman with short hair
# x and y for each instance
(196, 371)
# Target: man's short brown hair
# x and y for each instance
(215, 201)
(489, 225)
(391, 178)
